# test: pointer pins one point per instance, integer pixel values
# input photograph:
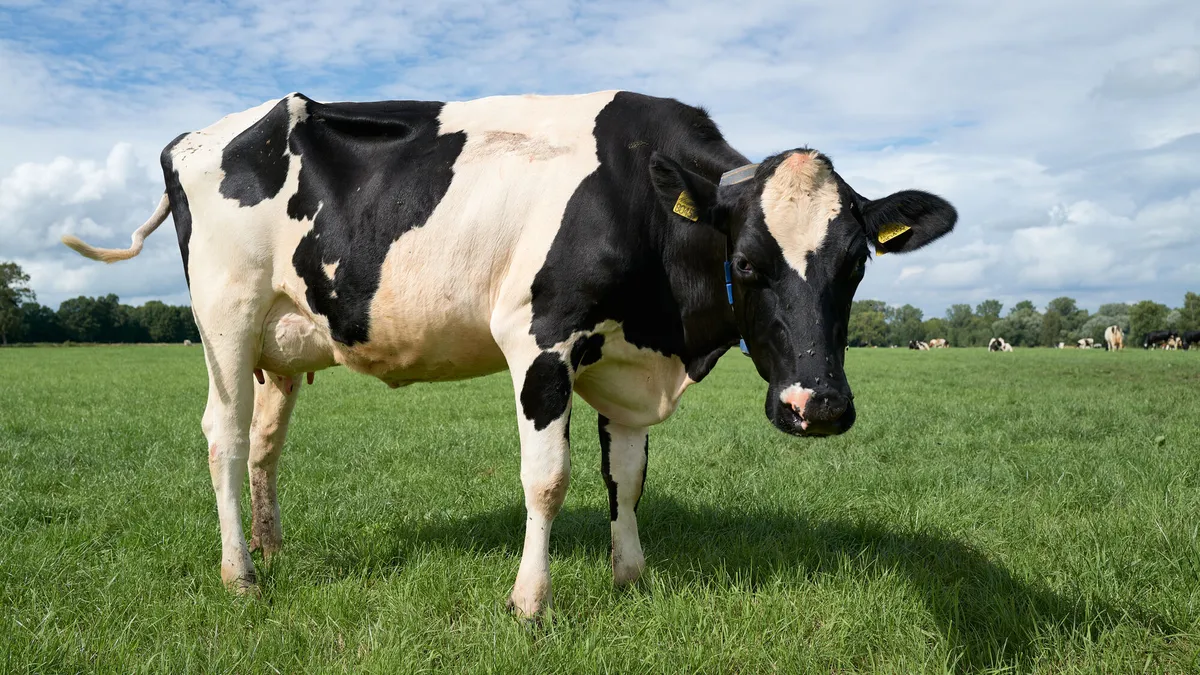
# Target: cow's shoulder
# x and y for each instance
(606, 262)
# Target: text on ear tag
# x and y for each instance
(685, 207)
(879, 250)
(891, 231)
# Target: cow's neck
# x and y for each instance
(694, 260)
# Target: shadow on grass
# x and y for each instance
(991, 617)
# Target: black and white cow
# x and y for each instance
(582, 242)
(1157, 338)
(1190, 338)
(999, 344)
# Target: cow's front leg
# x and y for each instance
(543, 386)
(623, 452)
(274, 400)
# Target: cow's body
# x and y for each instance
(999, 344)
(1157, 338)
(918, 345)
(1085, 343)
(577, 241)
(1114, 339)
(423, 295)
(1190, 338)
(938, 343)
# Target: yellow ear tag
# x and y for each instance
(685, 207)
(891, 231)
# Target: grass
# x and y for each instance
(989, 512)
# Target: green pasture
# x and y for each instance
(1028, 512)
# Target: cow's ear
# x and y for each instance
(908, 220)
(682, 193)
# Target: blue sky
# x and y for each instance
(1067, 133)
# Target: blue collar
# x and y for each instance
(729, 294)
(738, 175)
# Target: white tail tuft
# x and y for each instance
(111, 255)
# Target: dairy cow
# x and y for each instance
(1114, 339)
(938, 343)
(998, 344)
(611, 244)
(1190, 338)
(1157, 338)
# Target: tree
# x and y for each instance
(1114, 309)
(14, 292)
(934, 328)
(1189, 314)
(868, 323)
(989, 309)
(1146, 316)
(906, 326)
(161, 322)
(959, 324)
(1052, 326)
(40, 324)
(1071, 317)
(1022, 326)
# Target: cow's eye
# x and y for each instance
(743, 266)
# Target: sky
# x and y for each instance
(1067, 133)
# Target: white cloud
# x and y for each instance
(1067, 139)
(102, 201)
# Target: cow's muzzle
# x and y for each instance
(801, 411)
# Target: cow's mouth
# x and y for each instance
(790, 421)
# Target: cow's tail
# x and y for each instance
(111, 255)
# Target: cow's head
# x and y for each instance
(799, 238)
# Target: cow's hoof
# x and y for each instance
(628, 562)
(529, 610)
(241, 583)
(628, 569)
(267, 546)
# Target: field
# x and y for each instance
(1034, 511)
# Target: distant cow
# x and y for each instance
(1114, 339)
(998, 344)
(1156, 338)
(1086, 343)
(611, 245)
(1174, 342)
(1061, 345)
(1190, 338)
(917, 344)
(938, 343)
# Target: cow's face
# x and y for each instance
(799, 239)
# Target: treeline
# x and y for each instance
(105, 319)
(875, 323)
(85, 319)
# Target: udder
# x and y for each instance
(293, 343)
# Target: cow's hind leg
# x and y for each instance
(623, 452)
(543, 385)
(273, 403)
(231, 341)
